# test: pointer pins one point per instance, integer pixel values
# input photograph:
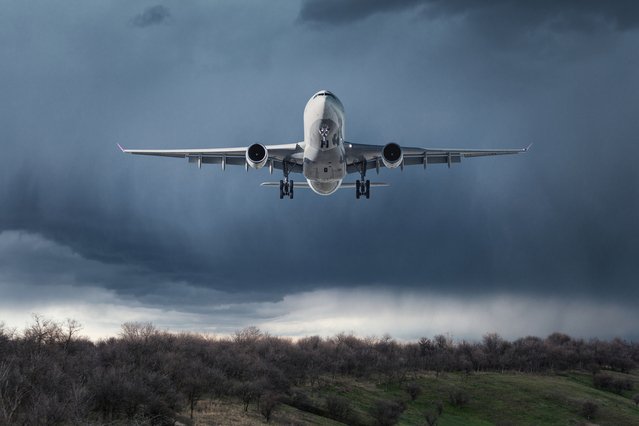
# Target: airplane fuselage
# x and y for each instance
(324, 154)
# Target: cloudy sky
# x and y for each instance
(530, 244)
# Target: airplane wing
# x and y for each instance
(370, 156)
(289, 155)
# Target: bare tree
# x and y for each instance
(193, 380)
(494, 347)
(248, 336)
(43, 331)
(70, 330)
(269, 402)
(247, 393)
(137, 331)
(13, 389)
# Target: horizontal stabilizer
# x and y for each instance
(351, 185)
(344, 185)
(296, 184)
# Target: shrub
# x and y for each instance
(589, 409)
(413, 390)
(458, 397)
(267, 405)
(339, 408)
(431, 418)
(611, 384)
(387, 413)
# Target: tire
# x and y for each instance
(368, 189)
(290, 193)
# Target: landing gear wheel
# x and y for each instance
(290, 193)
(367, 192)
(358, 187)
(281, 189)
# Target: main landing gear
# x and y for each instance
(286, 188)
(363, 187)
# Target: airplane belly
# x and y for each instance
(324, 165)
(324, 188)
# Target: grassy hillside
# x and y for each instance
(493, 398)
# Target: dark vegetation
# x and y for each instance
(589, 410)
(49, 374)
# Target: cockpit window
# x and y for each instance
(324, 93)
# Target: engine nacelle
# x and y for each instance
(256, 155)
(392, 155)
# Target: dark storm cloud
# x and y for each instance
(153, 15)
(342, 12)
(514, 15)
(558, 221)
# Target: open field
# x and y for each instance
(493, 399)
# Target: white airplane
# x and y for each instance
(323, 157)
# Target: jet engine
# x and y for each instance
(256, 155)
(392, 155)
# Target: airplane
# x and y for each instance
(324, 157)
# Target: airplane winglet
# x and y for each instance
(528, 147)
(121, 149)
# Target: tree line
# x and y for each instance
(50, 374)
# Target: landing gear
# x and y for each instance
(363, 187)
(286, 189)
(286, 186)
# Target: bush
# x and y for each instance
(339, 408)
(301, 401)
(387, 413)
(589, 409)
(611, 384)
(267, 405)
(635, 398)
(458, 397)
(413, 390)
(431, 418)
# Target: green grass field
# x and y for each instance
(493, 399)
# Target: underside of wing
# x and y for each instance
(290, 156)
(360, 157)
